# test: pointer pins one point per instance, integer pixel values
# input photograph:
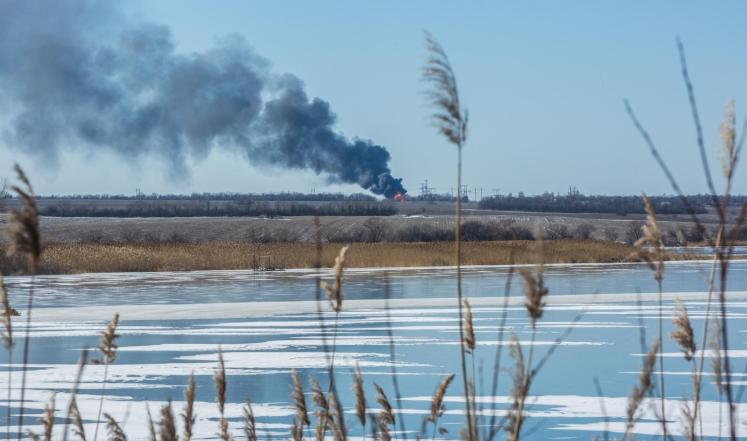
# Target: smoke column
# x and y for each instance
(79, 73)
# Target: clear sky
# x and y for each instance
(543, 81)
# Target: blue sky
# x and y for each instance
(543, 81)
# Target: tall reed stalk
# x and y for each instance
(108, 349)
(25, 241)
(451, 122)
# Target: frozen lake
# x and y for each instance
(267, 323)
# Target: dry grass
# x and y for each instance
(88, 257)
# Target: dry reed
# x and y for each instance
(299, 400)
(25, 241)
(77, 419)
(469, 330)
(296, 431)
(334, 291)
(451, 122)
(116, 433)
(519, 391)
(188, 415)
(23, 223)
(6, 321)
(71, 258)
(322, 409)
(714, 344)
(683, 335)
(386, 415)
(437, 406)
(683, 332)
(643, 389)
(219, 378)
(337, 418)
(108, 349)
(166, 425)
(360, 397)
(535, 290)
(650, 249)
(47, 418)
(250, 423)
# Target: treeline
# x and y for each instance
(223, 196)
(225, 209)
(579, 203)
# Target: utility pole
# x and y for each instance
(426, 192)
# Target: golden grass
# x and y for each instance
(90, 257)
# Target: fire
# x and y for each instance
(399, 197)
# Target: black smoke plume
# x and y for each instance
(80, 73)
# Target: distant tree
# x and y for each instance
(375, 229)
(633, 231)
(584, 231)
(611, 234)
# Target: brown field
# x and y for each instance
(89, 257)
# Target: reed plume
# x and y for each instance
(683, 333)
(108, 349)
(116, 433)
(299, 400)
(360, 397)
(382, 432)
(334, 291)
(188, 416)
(519, 391)
(437, 402)
(322, 409)
(107, 345)
(650, 248)
(78, 428)
(535, 290)
(443, 96)
(23, 224)
(337, 417)
(250, 423)
(644, 387)
(166, 425)
(386, 415)
(25, 241)
(437, 405)
(47, 419)
(219, 378)
(729, 152)
(714, 344)
(469, 330)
